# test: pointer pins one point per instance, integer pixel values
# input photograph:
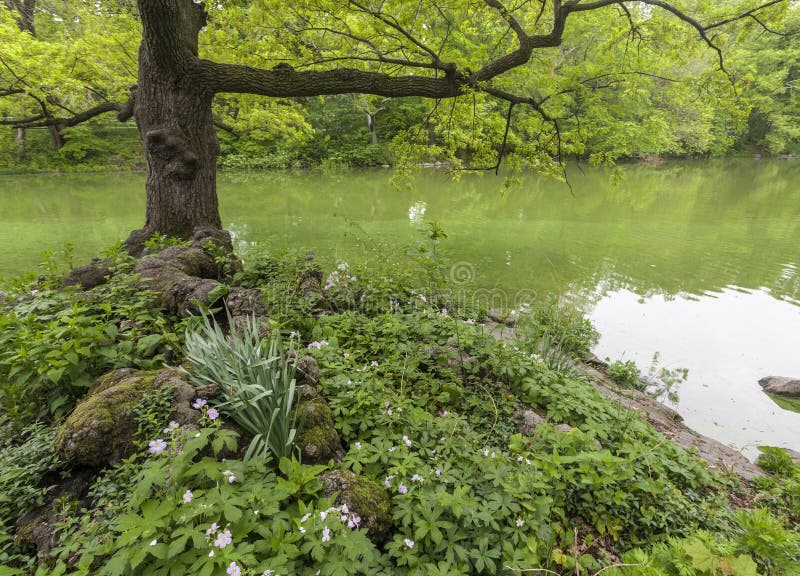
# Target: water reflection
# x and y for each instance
(728, 340)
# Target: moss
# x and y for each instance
(315, 412)
(319, 444)
(363, 497)
(101, 427)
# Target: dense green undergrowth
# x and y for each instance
(427, 403)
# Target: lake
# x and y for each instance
(698, 262)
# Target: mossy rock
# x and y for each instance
(363, 497)
(101, 428)
(318, 440)
(319, 444)
(315, 412)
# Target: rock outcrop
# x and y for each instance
(781, 385)
(318, 440)
(363, 497)
(88, 276)
(100, 430)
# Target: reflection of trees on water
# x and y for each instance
(676, 228)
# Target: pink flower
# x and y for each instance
(326, 534)
(212, 414)
(199, 403)
(234, 570)
(187, 496)
(157, 446)
(223, 539)
(402, 489)
(409, 542)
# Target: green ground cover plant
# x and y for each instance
(54, 341)
(427, 403)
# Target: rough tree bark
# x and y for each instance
(24, 11)
(173, 114)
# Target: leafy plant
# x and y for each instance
(192, 512)
(776, 461)
(23, 467)
(256, 382)
(53, 343)
(626, 374)
(158, 242)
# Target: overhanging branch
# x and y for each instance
(42, 121)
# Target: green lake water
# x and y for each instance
(698, 261)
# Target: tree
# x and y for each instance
(389, 49)
(70, 68)
(516, 83)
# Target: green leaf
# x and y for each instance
(743, 565)
(217, 292)
(703, 559)
(147, 344)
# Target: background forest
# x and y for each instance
(60, 78)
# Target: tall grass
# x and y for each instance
(256, 380)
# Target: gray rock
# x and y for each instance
(318, 440)
(529, 420)
(501, 317)
(307, 371)
(781, 385)
(88, 276)
(100, 430)
(793, 454)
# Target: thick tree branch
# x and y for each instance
(44, 120)
(285, 81)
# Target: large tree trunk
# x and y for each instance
(173, 114)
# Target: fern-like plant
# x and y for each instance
(256, 381)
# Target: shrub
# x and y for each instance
(53, 343)
(23, 467)
(256, 381)
(626, 374)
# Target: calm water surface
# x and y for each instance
(698, 261)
